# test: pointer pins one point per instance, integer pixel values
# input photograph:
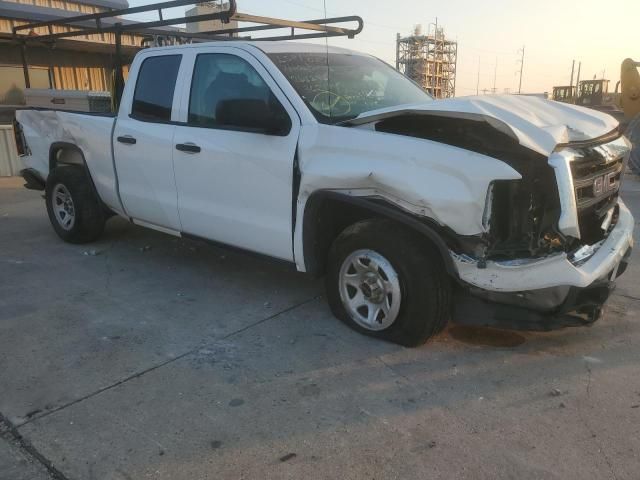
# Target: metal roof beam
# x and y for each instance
(265, 23)
(269, 23)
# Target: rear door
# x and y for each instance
(143, 143)
(234, 185)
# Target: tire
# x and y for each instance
(75, 213)
(408, 262)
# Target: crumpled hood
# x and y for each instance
(536, 123)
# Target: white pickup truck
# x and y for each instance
(415, 210)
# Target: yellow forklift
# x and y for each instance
(630, 103)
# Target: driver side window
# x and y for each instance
(222, 87)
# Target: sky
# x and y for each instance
(553, 33)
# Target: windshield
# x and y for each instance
(349, 86)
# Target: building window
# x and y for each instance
(12, 83)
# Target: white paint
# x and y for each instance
(447, 184)
(90, 133)
(238, 189)
(568, 221)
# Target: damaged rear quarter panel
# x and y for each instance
(445, 183)
(89, 132)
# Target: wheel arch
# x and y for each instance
(66, 153)
(323, 222)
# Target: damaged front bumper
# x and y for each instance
(545, 293)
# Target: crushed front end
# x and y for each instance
(555, 241)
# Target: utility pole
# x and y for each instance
(573, 66)
(495, 74)
(521, 70)
(478, 80)
(578, 78)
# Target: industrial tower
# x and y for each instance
(429, 60)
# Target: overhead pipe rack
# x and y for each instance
(82, 25)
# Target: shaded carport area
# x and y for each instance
(148, 356)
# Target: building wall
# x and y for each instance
(10, 163)
(60, 69)
(62, 5)
(72, 68)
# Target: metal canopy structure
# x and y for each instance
(111, 22)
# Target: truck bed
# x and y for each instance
(44, 130)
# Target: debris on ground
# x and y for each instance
(555, 392)
(215, 444)
(91, 253)
(146, 248)
(288, 456)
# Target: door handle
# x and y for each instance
(188, 147)
(127, 139)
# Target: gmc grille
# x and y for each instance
(597, 174)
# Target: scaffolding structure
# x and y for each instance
(429, 60)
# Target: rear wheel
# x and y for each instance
(74, 210)
(384, 281)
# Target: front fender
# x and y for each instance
(444, 183)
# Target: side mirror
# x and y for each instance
(253, 115)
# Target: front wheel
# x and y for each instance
(74, 210)
(384, 281)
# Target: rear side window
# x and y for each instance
(156, 83)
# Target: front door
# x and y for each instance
(143, 145)
(235, 183)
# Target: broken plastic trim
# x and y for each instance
(488, 207)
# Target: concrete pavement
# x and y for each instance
(145, 356)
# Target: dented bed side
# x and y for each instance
(87, 138)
